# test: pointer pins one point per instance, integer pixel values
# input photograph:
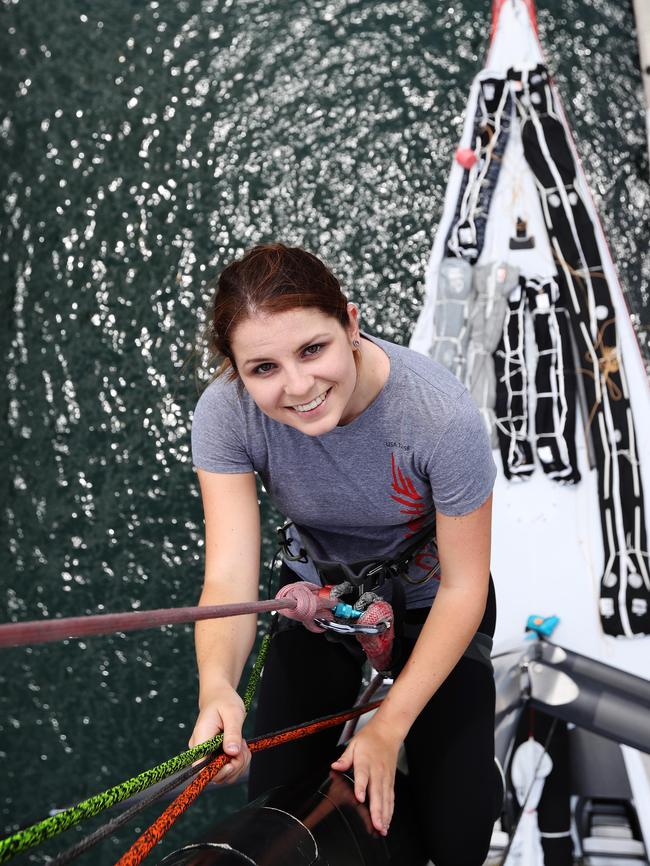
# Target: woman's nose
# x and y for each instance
(297, 382)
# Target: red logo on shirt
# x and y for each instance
(413, 504)
(407, 496)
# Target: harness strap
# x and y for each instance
(479, 648)
(364, 575)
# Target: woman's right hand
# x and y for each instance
(225, 712)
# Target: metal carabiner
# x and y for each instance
(344, 628)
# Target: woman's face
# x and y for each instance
(298, 367)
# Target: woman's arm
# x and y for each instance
(464, 552)
(232, 564)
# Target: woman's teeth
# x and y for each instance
(307, 407)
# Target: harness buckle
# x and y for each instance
(286, 542)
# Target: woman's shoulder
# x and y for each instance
(421, 371)
(221, 393)
(219, 428)
(221, 409)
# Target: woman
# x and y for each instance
(361, 443)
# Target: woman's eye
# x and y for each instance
(314, 349)
(263, 368)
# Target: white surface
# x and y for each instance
(531, 765)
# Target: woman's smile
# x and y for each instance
(311, 407)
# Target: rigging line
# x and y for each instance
(608, 363)
(153, 834)
(45, 630)
(375, 683)
(127, 815)
(55, 824)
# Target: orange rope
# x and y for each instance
(608, 363)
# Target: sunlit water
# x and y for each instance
(143, 146)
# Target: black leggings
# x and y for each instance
(450, 747)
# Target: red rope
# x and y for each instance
(46, 630)
(153, 834)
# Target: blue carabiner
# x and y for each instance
(346, 611)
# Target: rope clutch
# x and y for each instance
(370, 620)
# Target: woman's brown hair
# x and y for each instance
(270, 278)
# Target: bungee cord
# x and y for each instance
(55, 824)
(153, 834)
(39, 631)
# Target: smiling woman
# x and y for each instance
(366, 446)
(272, 278)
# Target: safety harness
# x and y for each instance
(347, 603)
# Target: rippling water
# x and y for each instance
(143, 146)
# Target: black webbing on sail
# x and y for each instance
(625, 583)
(555, 383)
(489, 138)
(512, 420)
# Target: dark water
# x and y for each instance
(143, 146)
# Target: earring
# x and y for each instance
(355, 345)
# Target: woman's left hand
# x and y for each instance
(373, 753)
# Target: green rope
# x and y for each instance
(55, 824)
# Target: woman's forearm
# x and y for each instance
(232, 569)
(222, 645)
(449, 627)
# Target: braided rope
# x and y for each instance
(153, 834)
(46, 630)
(378, 647)
(55, 824)
(309, 603)
(145, 843)
(109, 828)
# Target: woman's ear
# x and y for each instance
(353, 318)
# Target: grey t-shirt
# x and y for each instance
(363, 489)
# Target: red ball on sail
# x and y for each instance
(466, 157)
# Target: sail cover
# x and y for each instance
(558, 299)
